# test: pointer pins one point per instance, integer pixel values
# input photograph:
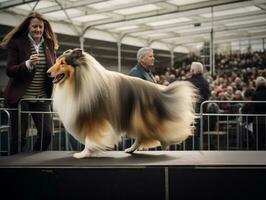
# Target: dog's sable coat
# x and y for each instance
(96, 106)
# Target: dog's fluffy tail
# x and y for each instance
(180, 99)
(176, 106)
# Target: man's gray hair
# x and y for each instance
(260, 81)
(142, 51)
(196, 68)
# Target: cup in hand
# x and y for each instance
(34, 58)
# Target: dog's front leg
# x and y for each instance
(134, 147)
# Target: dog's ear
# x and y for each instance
(72, 56)
(67, 51)
(77, 53)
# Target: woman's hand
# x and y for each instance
(34, 58)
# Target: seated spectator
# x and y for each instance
(229, 93)
(238, 83)
(213, 96)
(219, 90)
(238, 96)
(224, 106)
(172, 78)
(211, 120)
(235, 107)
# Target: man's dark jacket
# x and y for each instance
(140, 72)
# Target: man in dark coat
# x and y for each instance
(142, 69)
(202, 85)
(145, 63)
(260, 108)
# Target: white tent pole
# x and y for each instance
(81, 40)
(119, 40)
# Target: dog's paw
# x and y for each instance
(164, 146)
(81, 155)
(133, 148)
(130, 150)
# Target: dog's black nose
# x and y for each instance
(48, 74)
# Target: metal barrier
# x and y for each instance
(232, 130)
(5, 129)
(213, 131)
(60, 138)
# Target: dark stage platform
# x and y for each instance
(140, 159)
(143, 175)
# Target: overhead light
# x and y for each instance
(231, 11)
(106, 4)
(169, 21)
(157, 35)
(137, 9)
(193, 29)
(184, 2)
(60, 15)
(225, 34)
(40, 5)
(245, 22)
(124, 28)
(89, 18)
(257, 31)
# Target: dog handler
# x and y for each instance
(31, 51)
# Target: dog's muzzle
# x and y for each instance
(58, 78)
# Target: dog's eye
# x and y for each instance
(62, 62)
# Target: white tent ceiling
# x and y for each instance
(164, 24)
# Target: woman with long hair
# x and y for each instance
(31, 51)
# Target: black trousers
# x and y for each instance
(42, 122)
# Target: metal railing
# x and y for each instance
(60, 138)
(232, 130)
(5, 130)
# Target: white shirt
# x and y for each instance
(36, 47)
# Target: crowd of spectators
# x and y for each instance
(235, 80)
(235, 74)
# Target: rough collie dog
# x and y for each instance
(96, 106)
